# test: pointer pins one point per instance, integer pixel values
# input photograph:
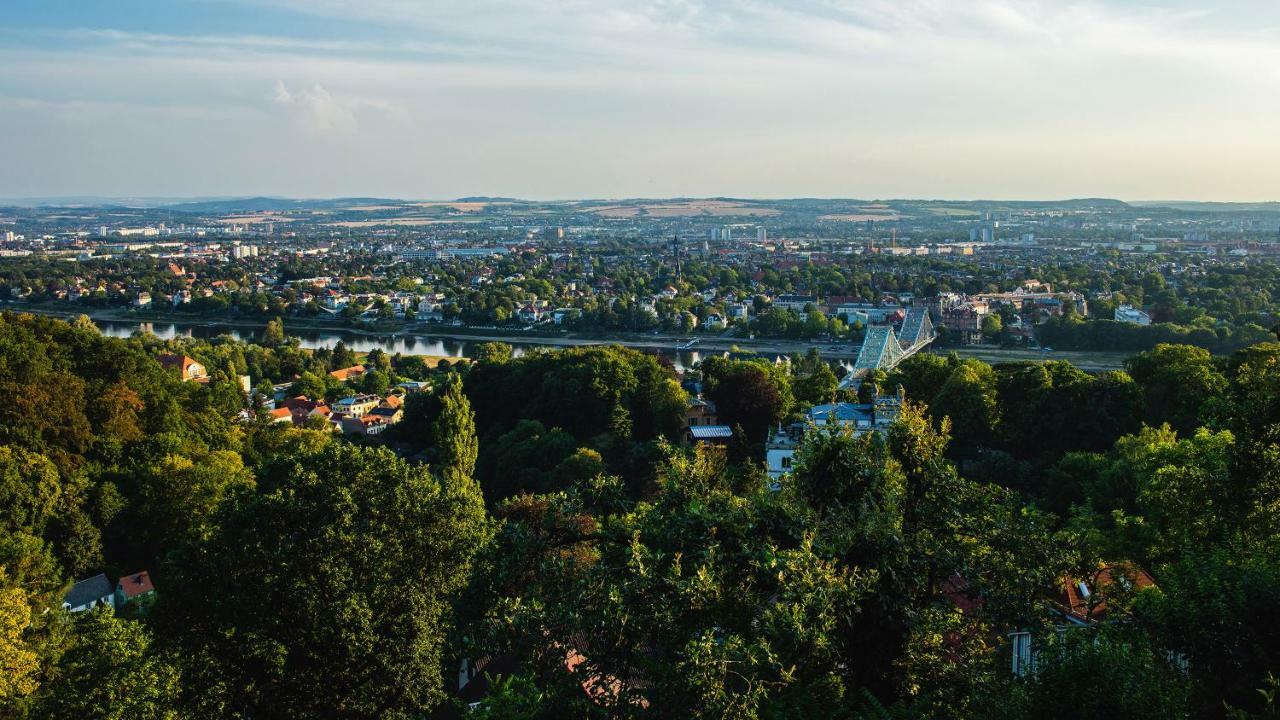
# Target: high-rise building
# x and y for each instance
(9, 236)
(762, 235)
(715, 233)
(988, 235)
(727, 233)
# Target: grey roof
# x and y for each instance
(843, 413)
(88, 590)
(710, 432)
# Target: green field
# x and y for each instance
(1082, 359)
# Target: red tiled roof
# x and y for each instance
(181, 362)
(345, 373)
(135, 584)
(1085, 598)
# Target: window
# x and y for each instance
(1023, 662)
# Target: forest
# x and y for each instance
(537, 540)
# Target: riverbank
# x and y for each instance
(1083, 359)
(427, 334)
(293, 325)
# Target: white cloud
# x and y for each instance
(764, 97)
(316, 108)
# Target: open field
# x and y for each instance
(864, 217)
(459, 206)
(716, 208)
(254, 219)
(406, 221)
(1085, 360)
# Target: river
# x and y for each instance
(315, 339)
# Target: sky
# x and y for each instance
(559, 99)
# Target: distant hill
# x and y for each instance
(271, 204)
(487, 199)
(1216, 207)
(100, 201)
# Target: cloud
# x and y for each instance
(610, 97)
(317, 109)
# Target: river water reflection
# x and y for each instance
(425, 344)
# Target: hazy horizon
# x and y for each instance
(161, 200)
(773, 99)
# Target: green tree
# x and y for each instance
(992, 327)
(969, 399)
(1087, 674)
(112, 671)
(19, 663)
(359, 555)
(494, 353)
(454, 432)
(309, 385)
(1178, 382)
(273, 335)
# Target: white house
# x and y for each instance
(529, 313)
(1130, 314)
(875, 416)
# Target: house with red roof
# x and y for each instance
(133, 586)
(188, 368)
(349, 373)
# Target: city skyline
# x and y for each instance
(867, 99)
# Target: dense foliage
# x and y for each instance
(538, 519)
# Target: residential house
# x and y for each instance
(529, 313)
(88, 594)
(356, 405)
(188, 368)
(875, 416)
(965, 321)
(700, 412)
(390, 410)
(714, 434)
(796, 303)
(133, 586)
(348, 373)
(1083, 600)
(1132, 315)
(364, 425)
(562, 315)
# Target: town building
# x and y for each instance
(1132, 315)
(875, 416)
